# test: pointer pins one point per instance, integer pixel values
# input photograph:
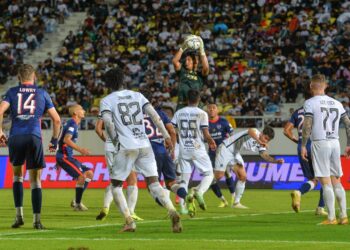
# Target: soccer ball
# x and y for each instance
(193, 42)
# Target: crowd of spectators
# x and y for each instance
(261, 53)
(23, 25)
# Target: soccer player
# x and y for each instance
(165, 163)
(192, 125)
(65, 159)
(296, 121)
(131, 190)
(321, 125)
(27, 104)
(123, 115)
(219, 129)
(190, 77)
(228, 156)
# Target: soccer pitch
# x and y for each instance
(270, 223)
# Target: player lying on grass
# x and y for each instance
(296, 121)
(123, 115)
(131, 190)
(192, 126)
(65, 159)
(229, 156)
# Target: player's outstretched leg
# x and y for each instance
(107, 200)
(35, 185)
(240, 186)
(18, 196)
(202, 188)
(82, 183)
(230, 185)
(120, 201)
(217, 191)
(132, 194)
(296, 194)
(159, 194)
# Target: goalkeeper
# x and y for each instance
(189, 76)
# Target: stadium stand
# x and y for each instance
(261, 53)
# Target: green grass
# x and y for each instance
(268, 224)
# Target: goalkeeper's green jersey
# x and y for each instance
(188, 80)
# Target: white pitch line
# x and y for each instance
(182, 240)
(156, 221)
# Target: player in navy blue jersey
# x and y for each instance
(165, 163)
(27, 104)
(219, 129)
(65, 159)
(296, 121)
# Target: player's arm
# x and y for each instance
(68, 140)
(99, 129)
(345, 119)
(252, 132)
(109, 126)
(307, 127)
(288, 131)
(152, 113)
(203, 58)
(269, 158)
(208, 138)
(176, 59)
(3, 107)
(56, 128)
(171, 130)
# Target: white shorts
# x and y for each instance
(326, 158)
(125, 160)
(203, 164)
(225, 159)
(109, 156)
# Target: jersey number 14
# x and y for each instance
(29, 104)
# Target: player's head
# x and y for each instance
(190, 59)
(76, 111)
(318, 84)
(114, 79)
(193, 97)
(212, 110)
(26, 73)
(267, 135)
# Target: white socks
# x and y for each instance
(341, 198)
(132, 194)
(120, 201)
(159, 193)
(240, 186)
(329, 200)
(108, 198)
(205, 182)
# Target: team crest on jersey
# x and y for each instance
(188, 143)
(136, 132)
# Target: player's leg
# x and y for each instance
(34, 163)
(108, 196)
(320, 153)
(336, 173)
(230, 184)
(147, 166)
(216, 189)
(18, 195)
(17, 158)
(132, 194)
(203, 164)
(123, 164)
(240, 186)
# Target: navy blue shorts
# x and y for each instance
(26, 149)
(72, 166)
(306, 166)
(165, 166)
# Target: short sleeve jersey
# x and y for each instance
(190, 121)
(69, 128)
(28, 103)
(242, 141)
(127, 107)
(153, 133)
(219, 130)
(326, 113)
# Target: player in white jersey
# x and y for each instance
(228, 156)
(192, 126)
(122, 113)
(321, 125)
(131, 190)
